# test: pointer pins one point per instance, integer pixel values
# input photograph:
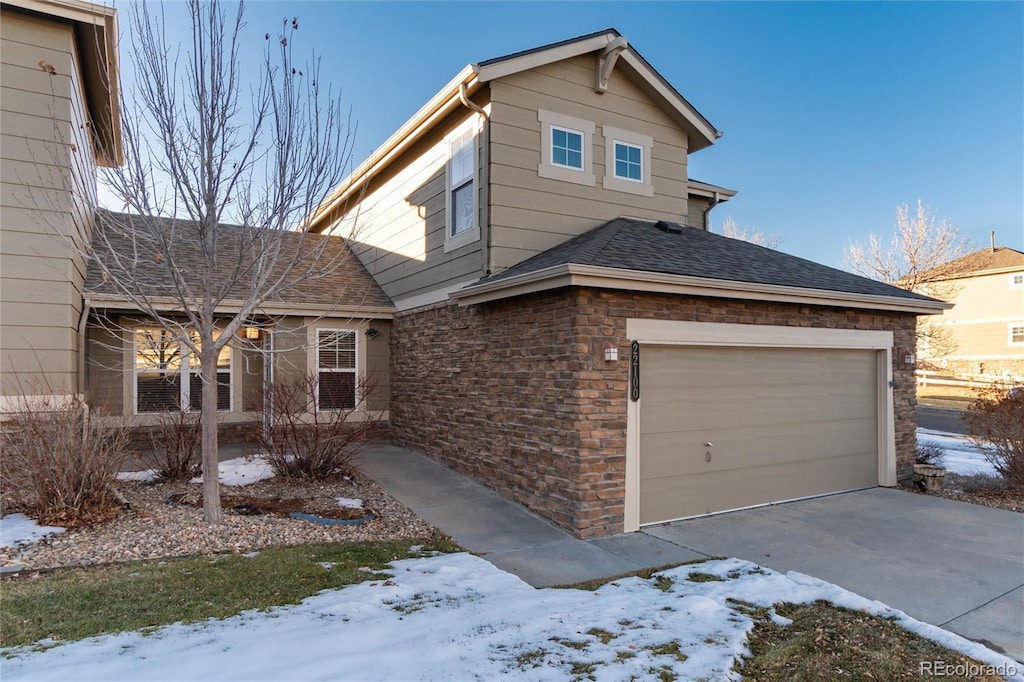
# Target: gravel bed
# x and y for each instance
(150, 528)
(960, 488)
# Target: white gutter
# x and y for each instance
(656, 282)
(82, 324)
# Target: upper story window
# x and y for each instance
(168, 377)
(565, 144)
(566, 148)
(627, 161)
(1017, 280)
(335, 369)
(462, 225)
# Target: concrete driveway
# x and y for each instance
(955, 565)
(959, 566)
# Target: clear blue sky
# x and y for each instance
(833, 113)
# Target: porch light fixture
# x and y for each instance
(372, 333)
(252, 333)
(611, 352)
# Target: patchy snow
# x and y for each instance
(458, 617)
(349, 502)
(18, 529)
(242, 471)
(960, 456)
(144, 476)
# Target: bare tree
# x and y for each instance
(913, 258)
(732, 229)
(203, 147)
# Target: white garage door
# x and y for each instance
(782, 424)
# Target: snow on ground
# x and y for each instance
(242, 471)
(143, 476)
(17, 529)
(960, 456)
(458, 617)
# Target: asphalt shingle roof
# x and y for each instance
(343, 280)
(977, 262)
(632, 244)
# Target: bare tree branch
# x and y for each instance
(732, 229)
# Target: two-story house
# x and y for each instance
(982, 335)
(569, 332)
(534, 289)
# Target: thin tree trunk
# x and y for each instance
(212, 512)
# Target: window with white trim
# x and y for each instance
(565, 148)
(336, 369)
(1015, 334)
(1017, 280)
(169, 377)
(461, 202)
(627, 161)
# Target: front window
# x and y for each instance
(336, 369)
(629, 162)
(169, 377)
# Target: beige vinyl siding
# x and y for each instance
(46, 204)
(398, 226)
(105, 379)
(529, 213)
(696, 208)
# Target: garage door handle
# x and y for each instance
(709, 444)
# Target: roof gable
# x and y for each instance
(700, 130)
(474, 76)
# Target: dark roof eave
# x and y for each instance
(573, 274)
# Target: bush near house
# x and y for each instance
(996, 420)
(58, 464)
(174, 447)
(315, 444)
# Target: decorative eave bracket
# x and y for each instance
(606, 62)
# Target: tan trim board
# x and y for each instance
(532, 60)
(703, 189)
(655, 282)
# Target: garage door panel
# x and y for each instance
(667, 455)
(785, 423)
(665, 410)
(682, 496)
(662, 366)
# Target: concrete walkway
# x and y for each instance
(954, 565)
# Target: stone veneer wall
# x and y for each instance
(517, 394)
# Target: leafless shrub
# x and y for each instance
(307, 443)
(929, 453)
(174, 446)
(58, 464)
(995, 423)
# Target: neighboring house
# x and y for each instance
(982, 335)
(59, 120)
(568, 331)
